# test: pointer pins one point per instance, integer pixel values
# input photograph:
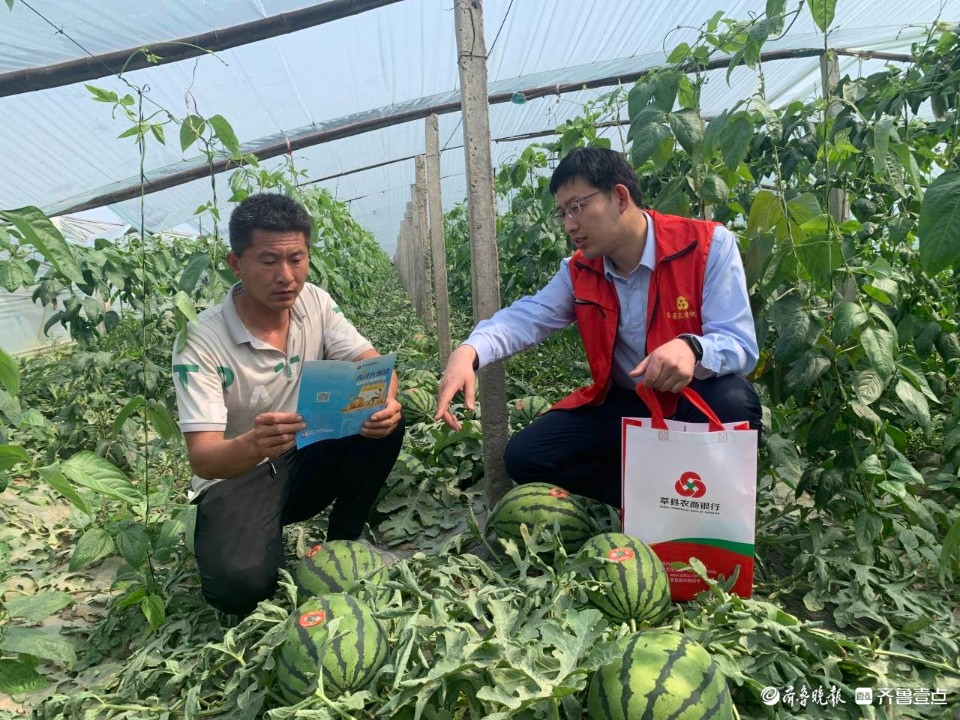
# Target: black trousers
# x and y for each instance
(579, 449)
(239, 539)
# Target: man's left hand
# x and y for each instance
(668, 368)
(383, 422)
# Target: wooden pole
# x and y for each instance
(472, 59)
(438, 245)
(830, 75)
(423, 240)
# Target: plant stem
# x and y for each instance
(913, 658)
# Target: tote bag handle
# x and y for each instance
(649, 398)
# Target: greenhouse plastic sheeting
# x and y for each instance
(59, 147)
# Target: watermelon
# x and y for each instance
(348, 661)
(527, 409)
(418, 404)
(661, 674)
(544, 503)
(636, 586)
(340, 566)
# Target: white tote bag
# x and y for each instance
(690, 490)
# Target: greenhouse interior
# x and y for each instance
(518, 240)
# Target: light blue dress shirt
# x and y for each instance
(729, 338)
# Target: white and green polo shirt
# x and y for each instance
(225, 377)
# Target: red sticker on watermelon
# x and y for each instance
(314, 550)
(620, 554)
(312, 618)
(558, 492)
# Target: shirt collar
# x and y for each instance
(647, 260)
(236, 329)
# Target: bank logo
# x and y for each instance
(690, 486)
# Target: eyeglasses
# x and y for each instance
(573, 208)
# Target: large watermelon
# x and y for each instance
(348, 661)
(544, 503)
(636, 586)
(527, 409)
(339, 566)
(660, 675)
(418, 404)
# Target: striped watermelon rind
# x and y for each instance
(635, 583)
(348, 659)
(527, 409)
(661, 674)
(341, 566)
(418, 404)
(542, 503)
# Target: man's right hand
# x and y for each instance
(459, 376)
(275, 433)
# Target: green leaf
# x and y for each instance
(939, 228)
(821, 256)
(770, 117)
(134, 545)
(15, 677)
(196, 266)
(775, 11)
(714, 131)
(55, 479)
(666, 86)
(914, 401)
(153, 609)
(848, 318)
(11, 455)
(823, 12)
(785, 457)
(646, 139)
(950, 544)
(806, 371)
(869, 386)
(877, 343)
(10, 408)
(735, 139)
(804, 208)
(95, 544)
(224, 133)
(190, 130)
(185, 305)
(38, 231)
(38, 643)
(92, 471)
(687, 127)
(132, 406)
(765, 213)
(162, 421)
(39, 607)
(9, 373)
(881, 144)
(638, 99)
(714, 190)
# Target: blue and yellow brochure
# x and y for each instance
(337, 396)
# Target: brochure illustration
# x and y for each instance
(337, 396)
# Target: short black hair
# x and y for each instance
(601, 168)
(267, 211)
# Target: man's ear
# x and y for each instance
(234, 262)
(623, 196)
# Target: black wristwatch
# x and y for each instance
(694, 342)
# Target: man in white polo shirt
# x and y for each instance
(237, 380)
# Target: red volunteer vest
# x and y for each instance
(673, 305)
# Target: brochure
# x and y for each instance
(337, 396)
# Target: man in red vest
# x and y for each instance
(658, 299)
